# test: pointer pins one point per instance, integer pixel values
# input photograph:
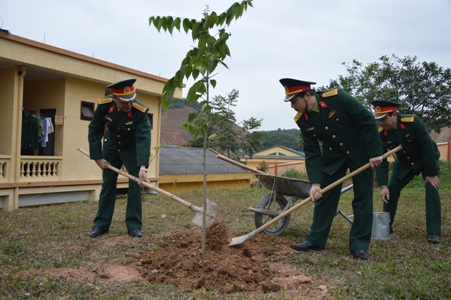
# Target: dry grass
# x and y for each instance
(45, 252)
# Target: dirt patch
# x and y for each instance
(250, 267)
(254, 267)
(112, 272)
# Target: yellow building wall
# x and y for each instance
(37, 76)
(75, 130)
(154, 105)
(46, 94)
(180, 183)
(66, 96)
(278, 150)
(445, 151)
(7, 112)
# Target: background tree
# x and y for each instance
(420, 88)
(223, 134)
(225, 131)
(250, 140)
(290, 138)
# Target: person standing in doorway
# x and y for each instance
(125, 142)
(339, 133)
(419, 155)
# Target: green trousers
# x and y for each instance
(133, 215)
(432, 201)
(362, 206)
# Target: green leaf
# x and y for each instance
(186, 25)
(231, 14)
(195, 73)
(195, 31)
(160, 23)
(213, 82)
(213, 137)
(165, 23)
(177, 23)
(212, 19)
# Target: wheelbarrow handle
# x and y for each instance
(238, 164)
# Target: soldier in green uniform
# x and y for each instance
(125, 142)
(348, 133)
(419, 155)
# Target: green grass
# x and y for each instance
(34, 241)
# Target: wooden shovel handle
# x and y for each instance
(327, 188)
(146, 184)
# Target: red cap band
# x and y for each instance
(383, 110)
(123, 92)
(296, 89)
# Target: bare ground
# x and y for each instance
(252, 268)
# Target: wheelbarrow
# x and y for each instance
(275, 202)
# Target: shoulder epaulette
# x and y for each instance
(140, 107)
(330, 93)
(105, 100)
(298, 116)
(407, 119)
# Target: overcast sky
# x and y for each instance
(300, 39)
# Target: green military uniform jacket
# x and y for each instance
(346, 129)
(339, 133)
(127, 134)
(419, 151)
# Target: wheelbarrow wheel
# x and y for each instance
(274, 202)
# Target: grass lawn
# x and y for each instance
(45, 252)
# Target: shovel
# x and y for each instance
(241, 239)
(214, 212)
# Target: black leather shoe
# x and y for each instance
(359, 254)
(97, 231)
(306, 246)
(433, 238)
(135, 233)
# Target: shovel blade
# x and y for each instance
(241, 239)
(214, 214)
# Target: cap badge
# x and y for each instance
(377, 109)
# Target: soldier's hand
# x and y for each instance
(433, 180)
(315, 193)
(102, 163)
(143, 175)
(385, 194)
(375, 161)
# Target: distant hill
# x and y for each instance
(171, 132)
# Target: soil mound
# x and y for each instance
(180, 262)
